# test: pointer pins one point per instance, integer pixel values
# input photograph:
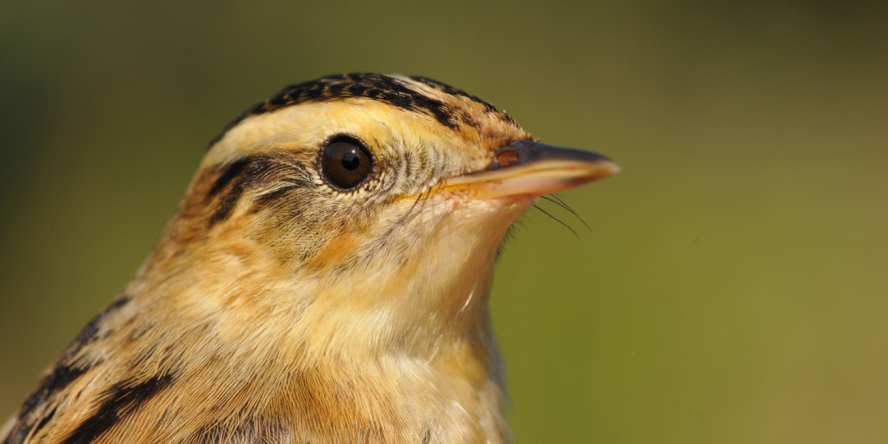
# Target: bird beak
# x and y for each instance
(531, 168)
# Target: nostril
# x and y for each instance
(506, 158)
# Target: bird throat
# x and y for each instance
(398, 347)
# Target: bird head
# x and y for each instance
(361, 213)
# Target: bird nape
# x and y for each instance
(324, 280)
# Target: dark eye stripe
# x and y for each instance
(260, 170)
(394, 91)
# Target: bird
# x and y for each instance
(324, 279)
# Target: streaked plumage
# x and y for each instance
(282, 306)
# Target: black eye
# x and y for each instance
(345, 163)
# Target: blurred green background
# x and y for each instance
(733, 287)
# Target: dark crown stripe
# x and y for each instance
(379, 87)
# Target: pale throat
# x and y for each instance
(434, 296)
(426, 302)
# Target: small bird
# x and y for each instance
(325, 279)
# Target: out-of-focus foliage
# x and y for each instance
(732, 286)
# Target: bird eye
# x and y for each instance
(345, 163)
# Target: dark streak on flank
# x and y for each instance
(379, 87)
(252, 172)
(46, 418)
(89, 333)
(60, 377)
(18, 434)
(64, 373)
(121, 400)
